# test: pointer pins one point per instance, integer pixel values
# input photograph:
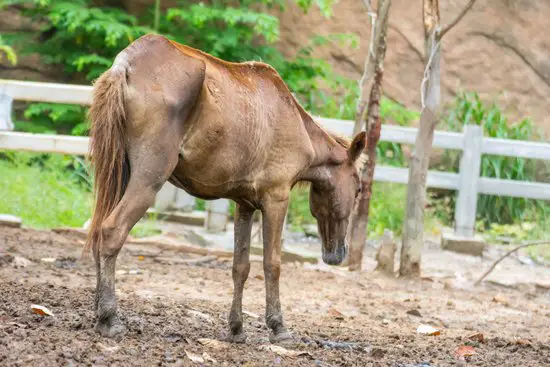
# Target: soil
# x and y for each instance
(170, 305)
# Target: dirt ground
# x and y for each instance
(170, 306)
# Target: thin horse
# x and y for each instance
(167, 112)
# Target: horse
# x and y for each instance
(168, 112)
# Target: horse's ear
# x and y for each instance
(357, 146)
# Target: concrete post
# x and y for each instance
(217, 213)
(184, 202)
(6, 102)
(165, 197)
(470, 164)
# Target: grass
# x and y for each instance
(42, 191)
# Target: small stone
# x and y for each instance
(471, 246)
(20, 262)
(414, 312)
(5, 259)
(8, 220)
(311, 230)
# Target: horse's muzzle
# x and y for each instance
(336, 256)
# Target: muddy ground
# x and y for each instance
(170, 306)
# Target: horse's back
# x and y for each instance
(243, 131)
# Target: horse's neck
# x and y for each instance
(327, 152)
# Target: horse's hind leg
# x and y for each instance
(152, 160)
(241, 268)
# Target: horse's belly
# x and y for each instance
(213, 173)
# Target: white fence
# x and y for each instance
(467, 181)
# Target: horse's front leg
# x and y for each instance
(241, 268)
(273, 217)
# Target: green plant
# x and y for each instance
(470, 109)
(45, 190)
(54, 118)
(7, 50)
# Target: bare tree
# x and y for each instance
(413, 232)
(375, 67)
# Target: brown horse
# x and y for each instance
(215, 129)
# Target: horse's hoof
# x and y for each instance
(236, 338)
(283, 337)
(112, 329)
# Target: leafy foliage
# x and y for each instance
(54, 118)
(7, 50)
(469, 109)
(44, 190)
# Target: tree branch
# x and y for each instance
(366, 79)
(534, 243)
(449, 26)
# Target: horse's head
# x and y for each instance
(332, 200)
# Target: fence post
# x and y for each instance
(165, 197)
(6, 102)
(217, 213)
(184, 202)
(470, 164)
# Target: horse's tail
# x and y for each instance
(107, 149)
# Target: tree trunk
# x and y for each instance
(367, 79)
(413, 232)
(360, 217)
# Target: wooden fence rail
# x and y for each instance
(467, 182)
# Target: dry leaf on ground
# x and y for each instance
(213, 343)
(194, 357)
(500, 299)
(41, 310)
(208, 358)
(427, 330)
(335, 313)
(465, 351)
(478, 337)
(283, 352)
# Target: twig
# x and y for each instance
(457, 19)
(533, 243)
(435, 44)
(361, 103)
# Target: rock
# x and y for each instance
(196, 239)
(471, 246)
(386, 253)
(414, 312)
(20, 262)
(8, 220)
(5, 259)
(311, 230)
(86, 224)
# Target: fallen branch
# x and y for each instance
(533, 243)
